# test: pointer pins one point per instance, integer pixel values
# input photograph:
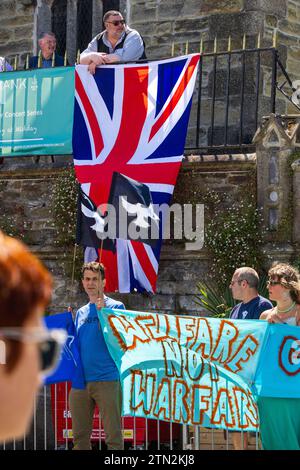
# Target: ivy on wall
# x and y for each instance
(234, 238)
(63, 210)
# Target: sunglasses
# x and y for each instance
(273, 283)
(116, 22)
(49, 342)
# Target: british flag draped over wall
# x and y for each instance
(132, 119)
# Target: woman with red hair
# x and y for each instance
(26, 347)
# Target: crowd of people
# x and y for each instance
(25, 291)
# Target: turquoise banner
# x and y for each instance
(278, 372)
(196, 370)
(185, 369)
(36, 112)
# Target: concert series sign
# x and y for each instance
(36, 111)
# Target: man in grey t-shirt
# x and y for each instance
(117, 43)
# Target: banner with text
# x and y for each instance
(36, 111)
(185, 369)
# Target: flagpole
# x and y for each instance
(73, 268)
(72, 279)
(101, 248)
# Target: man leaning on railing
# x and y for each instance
(117, 43)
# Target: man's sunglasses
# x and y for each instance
(116, 22)
(273, 283)
(50, 343)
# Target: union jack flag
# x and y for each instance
(132, 119)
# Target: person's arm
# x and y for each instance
(91, 57)
(133, 49)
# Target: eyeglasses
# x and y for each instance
(236, 282)
(50, 343)
(273, 283)
(116, 22)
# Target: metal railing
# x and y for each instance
(234, 90)
(51, 429)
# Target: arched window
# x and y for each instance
(59, 24)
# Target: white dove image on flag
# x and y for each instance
(132, 119)
(135, 216)
(91, 225)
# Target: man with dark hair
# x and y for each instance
(244, 287)
(101, 375)
(47, 44)
(117, 43)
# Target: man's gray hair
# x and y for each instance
(46, 33)
(249, 275)
(111, 13)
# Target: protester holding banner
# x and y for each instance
(26, 347)
(100, 372)
(280, 417)
(117, 43)
(244, 287)
(47, 44)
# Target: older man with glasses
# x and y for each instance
(117, 43)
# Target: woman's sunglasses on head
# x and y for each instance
(49, 342)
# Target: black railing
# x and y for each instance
(234, 90)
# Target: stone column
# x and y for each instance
(71, 40)
(274, 145)
(97, 17)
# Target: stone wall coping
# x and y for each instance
(196, 162)
(241, 157)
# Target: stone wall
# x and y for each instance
(16, 28)
(27, 198)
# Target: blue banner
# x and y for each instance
(69, 367)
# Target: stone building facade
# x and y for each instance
(161, 23)
(170, 26)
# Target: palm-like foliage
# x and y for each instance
(219, 301)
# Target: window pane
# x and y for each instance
(59, 24)
(110, 5)
(84, 23)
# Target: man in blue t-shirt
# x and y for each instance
(244, 287)
(101, 375)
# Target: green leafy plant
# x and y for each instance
(63, 210)
(234, 238)
(63, 207)
(215, 300)
(12, 227)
